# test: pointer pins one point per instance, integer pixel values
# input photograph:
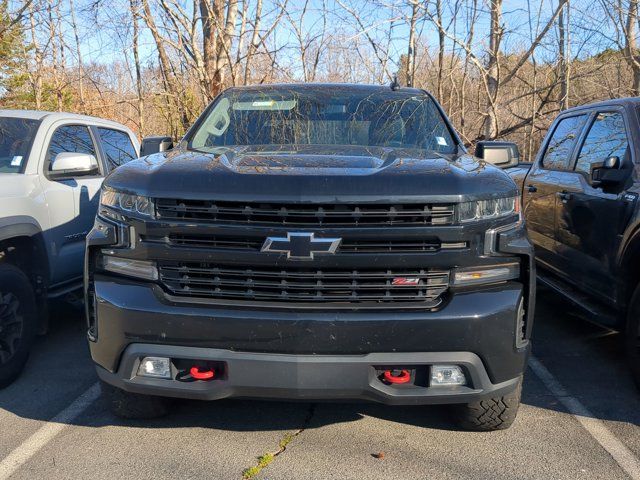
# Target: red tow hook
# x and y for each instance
(403, 377)
(202, 374)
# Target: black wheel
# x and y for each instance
(489, 414)
(134, 405)
(632, 336)
(18, 317)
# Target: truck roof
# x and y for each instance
(301, 87)
(53, 116)
(607, 103)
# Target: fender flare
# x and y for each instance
(19, 226)
(629, 248)
(25, 226)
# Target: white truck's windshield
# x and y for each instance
(339, 117)
(16, 137)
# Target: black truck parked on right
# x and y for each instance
(580, 201)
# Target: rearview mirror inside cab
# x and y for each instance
(500, 154)
(156, 144)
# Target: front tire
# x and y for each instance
(490, 414)
(134, 405)
(18, 316)
(632, 336)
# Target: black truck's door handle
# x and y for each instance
(564, 196)
(532, 188)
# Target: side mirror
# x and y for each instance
(157, 144)
(611, 162)
(608, 172)
(500, 154)
(73, 164)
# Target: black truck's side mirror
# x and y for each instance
(608, 172)
(500, 154)
(156, 144)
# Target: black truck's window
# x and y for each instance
(70, 138)
(117, 147)
(607, 137)
(339, 116)
(558, 153)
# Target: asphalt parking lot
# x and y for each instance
(579, 419)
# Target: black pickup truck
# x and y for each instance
(313, 242)
(580, 203)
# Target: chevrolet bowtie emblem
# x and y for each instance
(301, 246)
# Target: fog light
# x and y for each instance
(157, 367)
(447, 375)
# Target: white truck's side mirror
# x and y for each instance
(73, 164)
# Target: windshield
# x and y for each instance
(340, 116)
(16, 137)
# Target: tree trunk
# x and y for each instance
(37, 75)
(74, 25)
(440, 49)
(170, 81)
(411, 48)
(631, 53)
(55, 52)
(255, 39)
(217, 34)
(490, 128)
(136, 58)
(563, 47)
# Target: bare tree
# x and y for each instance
(411, 47)
(563, 54)
(173, 97)
(134, 6)
(74, 26)
(35, 73)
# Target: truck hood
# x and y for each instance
(312, 173)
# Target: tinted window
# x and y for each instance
(340, 116)
(607, 137)
(557, 155)
(117, 147)
(70, 138)
(16, 137)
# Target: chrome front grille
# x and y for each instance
(193, 279)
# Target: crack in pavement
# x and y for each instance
(266, 459)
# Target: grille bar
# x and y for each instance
(206, 280)
(304, 215)
(347, 245)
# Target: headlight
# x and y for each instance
(124, 202)
(488, 209)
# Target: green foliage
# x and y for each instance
(18, 95)
(12, 45)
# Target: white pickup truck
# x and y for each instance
(51, 170)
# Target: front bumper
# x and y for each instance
(305, 377)
(314, 354)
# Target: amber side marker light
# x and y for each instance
(489, 274)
